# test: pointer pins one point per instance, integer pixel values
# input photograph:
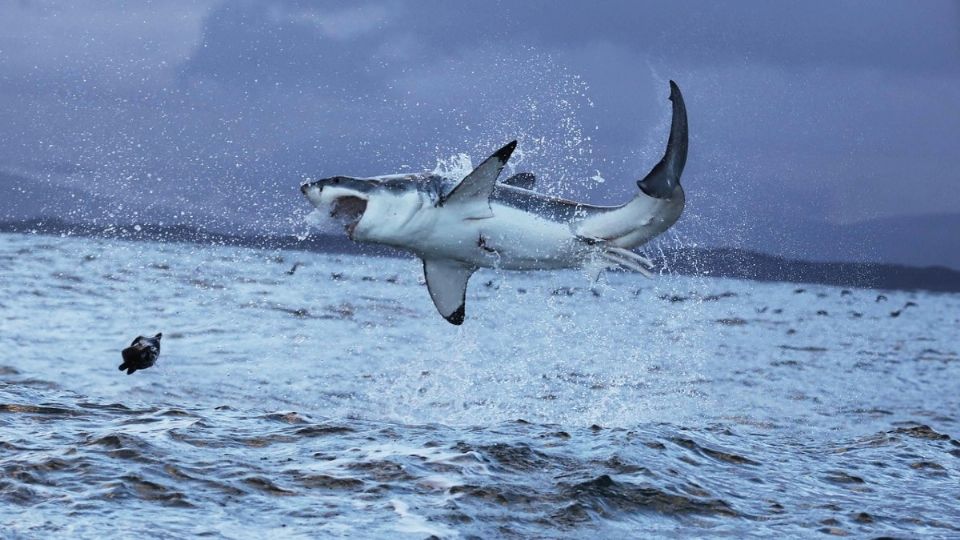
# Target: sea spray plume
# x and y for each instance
(456, 228)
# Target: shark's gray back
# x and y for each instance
(545, 206)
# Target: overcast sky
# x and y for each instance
(803, 116)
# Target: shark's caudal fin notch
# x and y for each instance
(664, 178)
(522, 180)
(476, 188)
(447, 283)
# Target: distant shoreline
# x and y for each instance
(707, 262)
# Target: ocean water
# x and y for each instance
(334, 401)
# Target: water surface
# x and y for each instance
(335, 401)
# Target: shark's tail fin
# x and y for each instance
(664, 178)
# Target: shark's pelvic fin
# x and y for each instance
(476, 188)
(522, 180)
(629, 260)
(447, 283)
(609, 256)
(665, 176)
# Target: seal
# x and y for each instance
(141, 354)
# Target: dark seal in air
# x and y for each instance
(141, 354)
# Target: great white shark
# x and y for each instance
(456, 228)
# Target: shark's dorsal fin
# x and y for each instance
(522, 180)
(476, 188)
(447, 283)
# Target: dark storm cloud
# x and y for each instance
(801, 114)
(323, 40)
(894, 36)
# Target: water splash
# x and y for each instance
(320, 221)
(541, 108)
(454, 168)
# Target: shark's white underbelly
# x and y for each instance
(510, 239)
(497, 235)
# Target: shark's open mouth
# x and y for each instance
(348, 210)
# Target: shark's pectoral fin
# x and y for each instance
(473, 192)
(522, 180)
(447, 283)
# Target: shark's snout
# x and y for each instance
(315, 184)
(346, 182)
(312, 191)
(343, 198)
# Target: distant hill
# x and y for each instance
(716, 262)
(25, 198)
(908, 240)
(744, 264)
(194, 235)
(921, 240)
